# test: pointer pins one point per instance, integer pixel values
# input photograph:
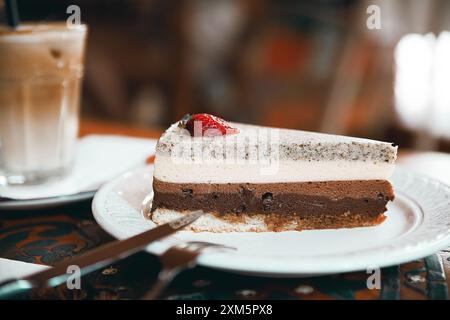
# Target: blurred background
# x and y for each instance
(310, 65)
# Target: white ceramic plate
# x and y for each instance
(33, 204)
(418, 225)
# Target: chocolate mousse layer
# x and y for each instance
(362, 198)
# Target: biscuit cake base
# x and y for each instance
(258, 207)
(232, 222)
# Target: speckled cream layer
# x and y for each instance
(261, 154)
(257, 142)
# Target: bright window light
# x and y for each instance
(422, 82)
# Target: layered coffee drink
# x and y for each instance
(41, 67)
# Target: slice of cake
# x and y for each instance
(253, 178)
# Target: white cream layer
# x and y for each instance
(281, 171)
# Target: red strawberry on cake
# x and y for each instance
(206, 125)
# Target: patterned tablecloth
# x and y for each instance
(50, 236)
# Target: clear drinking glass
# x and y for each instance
(41, 68)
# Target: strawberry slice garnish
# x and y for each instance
(206, 125)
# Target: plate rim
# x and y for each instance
(213, 260)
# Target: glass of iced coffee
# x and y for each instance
(41, 67)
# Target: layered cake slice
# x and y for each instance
(253, 178)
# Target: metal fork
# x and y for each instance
(176, 259)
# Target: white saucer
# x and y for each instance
(418, 225)
(45, 202)
(96, 161)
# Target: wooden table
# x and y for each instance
(52, 235)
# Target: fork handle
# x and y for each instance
(14, 289)
(165, 276)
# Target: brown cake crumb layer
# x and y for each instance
(242, 222)
(313, 200)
